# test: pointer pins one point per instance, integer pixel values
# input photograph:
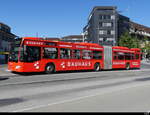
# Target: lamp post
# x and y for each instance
(83, 37)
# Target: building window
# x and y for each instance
(112, 32)
(104, 24)
(110, 39)
(101, 32)
(107, 24)
(100, 17)
(109, 32)
(112, 24)
(113, 17)
(104, 17)
(106, 32)
(100, 39)
(108, 17)
(100, 24)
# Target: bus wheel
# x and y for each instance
(127, 66)
(50, 68)
(97, 67)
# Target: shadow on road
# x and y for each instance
(6, 102)
(3, 78)
(65, 72)
(143, 79)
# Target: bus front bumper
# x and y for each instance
(15, 67)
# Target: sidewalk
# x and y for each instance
(3, 68)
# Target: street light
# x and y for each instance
(83, 37)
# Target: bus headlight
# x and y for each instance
(18, 67)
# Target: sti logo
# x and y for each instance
(36, 65)
(63, 65)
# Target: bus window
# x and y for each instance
(65, 53)
(30, 54)
(50, 53)
(76, 54)
(137, 56)
(97, 54)
(127, 56)
(87, 54)
(121, 56)
(132, 56)
(115, 56)
(13, 56)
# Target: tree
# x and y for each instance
(127, 40)
(146, 46)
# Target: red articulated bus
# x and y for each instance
(38, 55)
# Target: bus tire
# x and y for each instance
(97, 67)
(50, 68)
(127, 66)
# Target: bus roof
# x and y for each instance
(32, 38)
(61, 42)
(120, 47)
(82, 43)
(90, 44)
(36, 38)
(135, 49)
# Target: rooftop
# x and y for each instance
(102, 8)
(57, 39)
(2, 24)
(72, 36)
(140, 27)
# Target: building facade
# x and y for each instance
(105, 26)
(123, 25)
(6, 38)
(102, 26)
(139, 30)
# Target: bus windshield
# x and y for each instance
(13, 56)
(27, 53)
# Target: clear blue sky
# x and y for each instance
(57, 18)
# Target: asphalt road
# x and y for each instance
(105, 91)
